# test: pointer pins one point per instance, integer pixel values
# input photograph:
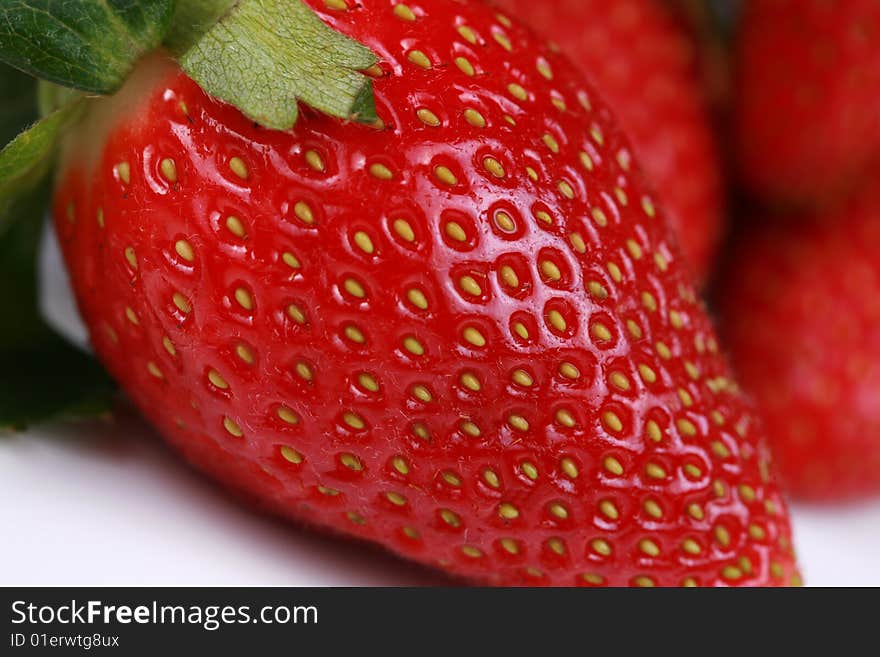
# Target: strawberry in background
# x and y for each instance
(642, 59)
(807, 98)
(800, 309)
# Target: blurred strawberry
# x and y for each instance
(807, 93)
(646, 65)
(800, 305)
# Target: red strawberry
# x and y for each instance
(801, 311)
(642, 61)
(807, 91)
(467, 336)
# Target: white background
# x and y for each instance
(105, 503)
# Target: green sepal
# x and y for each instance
(90, 45)
(263, 56)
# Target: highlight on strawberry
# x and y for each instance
(389, 269)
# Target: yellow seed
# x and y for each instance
(559, 511)
(381, 172)
(330, 492)
(182, 303)
(505, 222)
(422, 393)
(517, 91)
(185, 250)
(123, 170)
(544, 217)
(419, 58)
(663, 351)
(296, 314)
(465, 66)
(565, 418)
(473, 117)
(586, 161)
(450, 518)
(508, 511)
(523, 378)
(470, 381)
(153, 369)
(168, 169)
(494, 167)
(354, 420)
(612, 465)
(239, 168)
(396, 499)
(597, 290)
(286, 415)
(593, 578)
(428, 117)
(290, 454)
(609, 510)
(100, 217)
(612, 421)
(404, 230)
(471, 551)
(217, 380)
(403, 12)
(467, 34)
(649, 302)
(491, 478)
(235, 226)
(314, 160)
(354, 288)
(653, 509)
(731, 572)
(352, 462)
(417, 298)
(233, 428)
(644, 581)
(690, 546)
(653, 431)
(474, 337)
(399, 463)
(131, 316)
(529, 470)
(304, 371)
(655, 471)
(455, 231)
(413, 346)
(634, 249)
(291, 261)
(648, 375)
(686, 427)
(508, 275)
(338, 5)
(521, 330)
(304, 212)
(615, 272)
(169, 346)
(557, 321)
(131, 257)
(444, 175)
(368, 382)
(599, 217)
(470, 429)
(470, 286)
(569, 468)
(544, 69)
(363, 242)
(569, 371)
(518, 422)
(551, 270)
(649, 547)
(566, 189)
(619, 380)
(600, 332)
(601, 546)
(509, 545)
(550, 142)
(244, 298)
(503, 41)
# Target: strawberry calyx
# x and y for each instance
(262, 56)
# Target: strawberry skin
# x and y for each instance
(467, 336)
(807, 89)
(646, 66)
(801, 312)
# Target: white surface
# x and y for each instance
(107, 504)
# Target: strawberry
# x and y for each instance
(800, 310)
(464, 332)
(646, 65)
(807, 88)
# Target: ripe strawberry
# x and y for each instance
(467, 336)
(646, 66)
(807, 89)
(801, 311)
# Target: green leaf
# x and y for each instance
(89, 45)
(265, 55)
(27, 158)
(41, 375)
